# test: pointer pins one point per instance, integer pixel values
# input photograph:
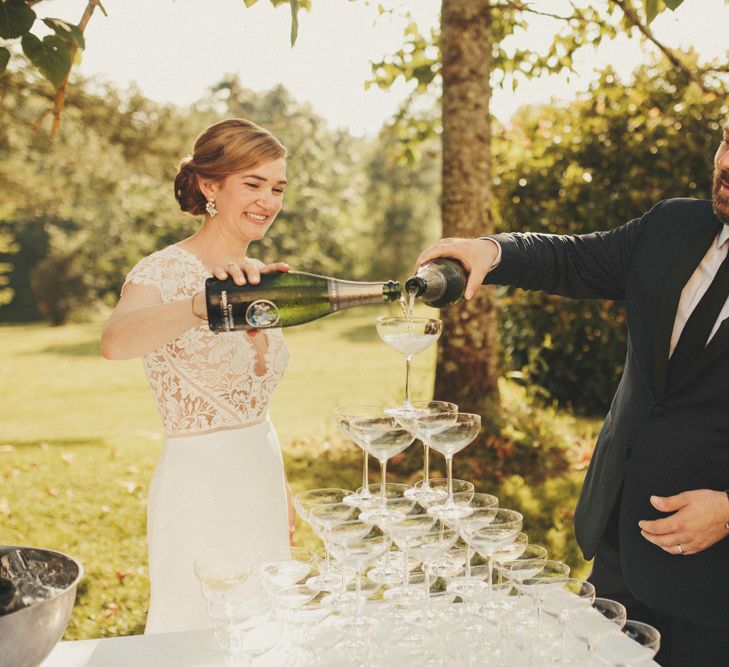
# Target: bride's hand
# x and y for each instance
(249, 271)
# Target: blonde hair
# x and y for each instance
(225, 148)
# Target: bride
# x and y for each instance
(219, 489)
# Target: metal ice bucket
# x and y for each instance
(29, 634)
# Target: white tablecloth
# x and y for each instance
(175, 649)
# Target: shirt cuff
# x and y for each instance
(497, 261)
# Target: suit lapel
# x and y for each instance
(689, 257)
(717, 345)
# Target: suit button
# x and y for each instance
(626, 452)
(658, 410)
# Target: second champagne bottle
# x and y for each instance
(287, 299)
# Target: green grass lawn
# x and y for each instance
(79, 438)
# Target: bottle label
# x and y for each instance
(262, 314)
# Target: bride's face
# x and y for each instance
(250, 200)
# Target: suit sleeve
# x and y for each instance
(581, 266)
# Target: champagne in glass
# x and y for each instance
(408, 336)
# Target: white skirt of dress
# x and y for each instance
(215, 495)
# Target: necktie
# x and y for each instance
(693, 338)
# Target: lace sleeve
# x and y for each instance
(147, 271)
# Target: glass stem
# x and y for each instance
(490, 569)
(468, 560)
(426, 465)
(408, 359)
(406, 569)
(449, 467)
(426, 571)
(383, 497)
(365, 474)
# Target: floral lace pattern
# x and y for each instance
(205, 381)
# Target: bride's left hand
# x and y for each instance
(249, 271)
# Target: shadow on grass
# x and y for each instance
(53, 442)
(89, 348)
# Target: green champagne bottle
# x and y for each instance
(287, 299)
(439, 283)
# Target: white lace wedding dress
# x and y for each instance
(219, 488)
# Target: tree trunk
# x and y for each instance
(467, 369)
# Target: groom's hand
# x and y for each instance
(700, 519)
(476, 255)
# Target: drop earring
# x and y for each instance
(210, 208)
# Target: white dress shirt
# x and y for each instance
(697, 285)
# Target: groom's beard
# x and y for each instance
(720, 201)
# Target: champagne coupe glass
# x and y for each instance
(343, 417)
(502, 529)
(278, 574)
(428, 418)
(636, 645)
(388, 568)
(409, 336)
(339, 536)
(224, 584)
(304, 502)
(383, 437)
(448, 442)
(483, 514)
(358, 553)
(529, 563)
(574, 597)
(429, 547)
(511, 550)
(289, 601)
(404, 533)
(550, 576)
(602, 618)
(322, 518)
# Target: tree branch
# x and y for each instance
(60, 97)
(524, 7)
(674, 59)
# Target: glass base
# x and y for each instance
(425, 493)
(386, 574)
(404, 595)
(447, 569)
(363, 499)
(381, 516)
(329, 581)
(467, 587)
(450, 511)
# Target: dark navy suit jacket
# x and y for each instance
(660, 437)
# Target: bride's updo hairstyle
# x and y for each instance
(223, 149)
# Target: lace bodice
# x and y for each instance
(205, 381)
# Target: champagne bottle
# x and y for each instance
(438, 283)
(287, 299)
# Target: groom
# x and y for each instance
(654, 510)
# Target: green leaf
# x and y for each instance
(294, 20)
(673, 5)
(4, 58)
(67, 31)
(52, 56)
(16, 18)
(651, 10)
(249, 3)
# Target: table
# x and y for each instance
(174, 649)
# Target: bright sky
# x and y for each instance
(176, 49)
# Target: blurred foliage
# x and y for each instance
(590, 165)
(101, 193)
